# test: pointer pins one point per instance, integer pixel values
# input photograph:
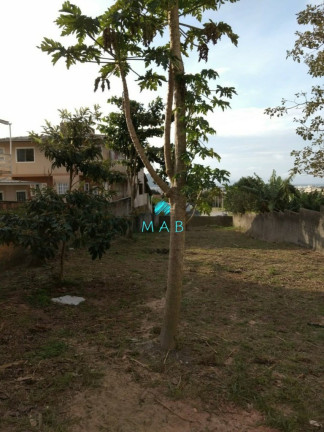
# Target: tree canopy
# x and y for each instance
(252, 194)
(49, 221)
(74, 145)
(309, 49)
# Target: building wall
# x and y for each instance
(9, 192)
(40, 171)
(121, 208)
(40, 167)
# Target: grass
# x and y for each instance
(51, 349)
(246, 333)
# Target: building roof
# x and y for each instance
(7, 181)
(29, 139)
(16, 139)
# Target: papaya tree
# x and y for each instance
(159, 36)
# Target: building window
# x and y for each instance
(86, 187)
(2, 155)
(25, 155)
(115, 155)
(1, 196)
(140, 188)
(21, 196)
(62, 188)
(37, 188)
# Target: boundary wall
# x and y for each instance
(305, 228)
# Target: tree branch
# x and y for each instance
(190, 26)
(194, 209)
(141, 152)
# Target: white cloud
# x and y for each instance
(245, 122)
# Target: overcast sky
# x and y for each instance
(32, 89)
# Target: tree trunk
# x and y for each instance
(62, 261)
(70, 180)
(175, 273)
(178, 174)
(177, 198)
(132, 179)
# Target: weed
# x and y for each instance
(273, 271)
(51, 349)
(39, 298)
(91, 377)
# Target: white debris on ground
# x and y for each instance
(68, 300)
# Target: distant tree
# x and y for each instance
(202, 184)
(279, 193)
(148, 123)
(309, 49)
(50, 221)
(74, 145)
(252, 194)
(311, 201)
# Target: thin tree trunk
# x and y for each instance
(175, 274)
(193, 210)
(139, 148)
(70, 180)
(132, 210)
(167, 126)
(177, 198)
(62, 261)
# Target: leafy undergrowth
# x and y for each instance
(251, 332)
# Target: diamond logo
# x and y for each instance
(162, 207)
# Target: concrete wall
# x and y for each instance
(197, 221)
(121, 208)
(305, 228)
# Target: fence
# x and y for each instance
(305, 228)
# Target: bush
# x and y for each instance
(50, 220)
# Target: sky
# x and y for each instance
(248, 141)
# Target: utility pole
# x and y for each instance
(6, 122)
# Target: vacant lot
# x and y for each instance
(250, 349)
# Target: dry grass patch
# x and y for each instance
(251, 335)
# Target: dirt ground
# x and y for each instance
(122, 405)
(249, 354)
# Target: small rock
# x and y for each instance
(68, 300)
(33, 422)
(315, 423)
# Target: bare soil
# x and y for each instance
(250, 346)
